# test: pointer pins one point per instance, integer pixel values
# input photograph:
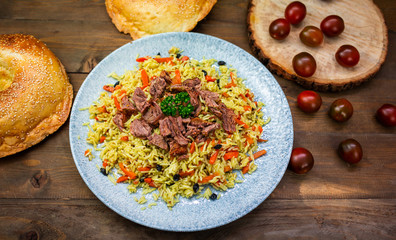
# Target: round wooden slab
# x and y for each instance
(364, 28)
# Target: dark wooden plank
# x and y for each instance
(273, 219)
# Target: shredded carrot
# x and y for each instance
(102, 138)
(213, 158)
(241, 123)
(245, 169)
(123, 91)
(117, 87)
(122, 179)
(261, 140)
(102, 109)
(142, 59)
(148, 180)
(143, 87)
(230, 155)
(260, 128)
(152, 77)
(105, 163)
(143, 169)
(247, 108)
(162, 60)
(208, 178)
(254, 128)
(249, 139)
(96, 118)
(87, 152)
(185, 58)
(229, 85)
(209, 78)
(213, 142)
(152, 184)
(116, 103)
(206, 143)
(192, 148)
(258, 110)
(145, 79)
(108, 88)
(224, 94)
(177, 78)
(124, 138)
(243, 97)
(187, 173)
(259, 154)
(131, 175)
(136, 182)
(227, 168)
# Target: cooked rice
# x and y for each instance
(136, 152)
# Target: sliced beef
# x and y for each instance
(140, 128)
(158, 141)
(177, 88)
(183, 157)
(228, 118)
(206, 95)
(165, 126)
(200, 138)
(119, 119)
(177, 130)
(192, 83)
(165, 75)
(193, 131)
(157, 87)
(140, 99)
(207, 130)
(153, 114)
(127, 106)
(186, 120)
(177, 149)
(194, 96)
(199, 122)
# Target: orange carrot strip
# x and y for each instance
(209, 78)
(177, 78)
(243, 97)
(259, 154)
(123, 91)
(122, 179)
(142, 59)
(116, 103)
(117, 87)
(245, 169)
(145, 79)
(105, 163)
(192, 148)
(224, 94)
(136, 182)
(261, 140)
(87, 152)
(102, 138)
(124, 138)
(249, 139)
(260, 128)
(108, 88)
(230, 155)
(102, 109)
(242, 123)
(152, 184)
(227, 168)
(213, 142)
(131, 175)
(208, 178)
(143, 169)
(148, 180)
(162, 60)
(247, 108)
(187, 173)
(213, 158)
(185, 58)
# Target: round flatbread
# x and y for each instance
(140, 18)
(35, 93)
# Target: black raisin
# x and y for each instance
(103, 171)
(158, 54)
(141, 180)
(159, 167)
(178, 55)
(213, 196)
(218, 146)
(176, 177)
(218, 82)
(116, 84)
(205, 72)
(196, 187)
(161, 158)
(221, 63)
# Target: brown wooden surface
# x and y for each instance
(42, 193)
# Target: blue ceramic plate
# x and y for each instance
(189, 214)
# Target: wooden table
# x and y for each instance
(43, 194)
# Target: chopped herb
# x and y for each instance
(170, 106)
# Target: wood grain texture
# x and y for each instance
(365, 29)
(274, 219)
(42, 191)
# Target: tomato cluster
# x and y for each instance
(304, 64)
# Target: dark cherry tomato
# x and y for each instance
(341, 110)
(311, 36)
(304, 64)
(295, 12)
(301, 161)
(350, 151)
(332, 26)
(279, 29)
(386, 115)
(347, 56)
(309, 101)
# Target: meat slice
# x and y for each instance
(158, 141)
(165, 126)
(153, 114)
(140, 99)
(157, 87)
(177, 149)
(228, 118)
(177, 88)
(127, 106)
(194, 96)
(193, 131)
(165, 75)
(192, 83)
(119, 119)
(207, 130)
(209, 95)
(140, 128)
(177, 130)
